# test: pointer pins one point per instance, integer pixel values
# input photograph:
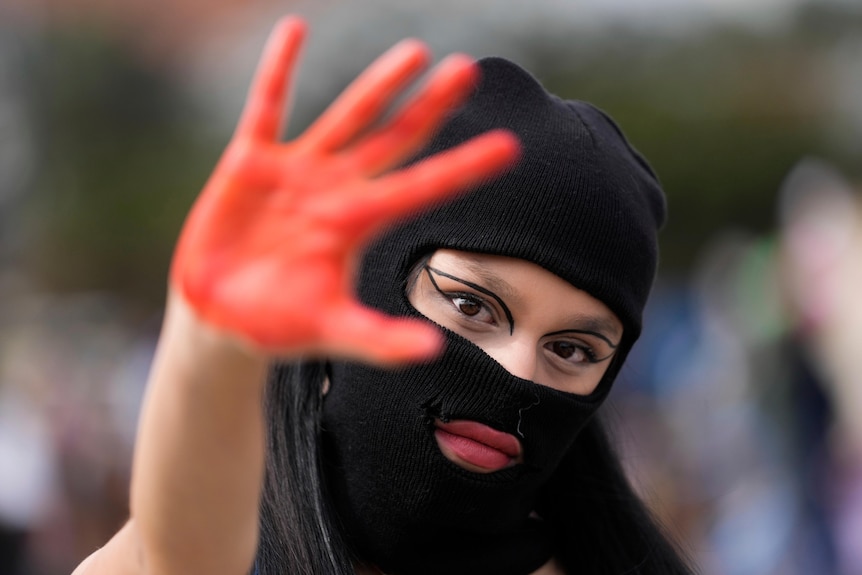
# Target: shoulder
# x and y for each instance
(120, 556)
(552, 567)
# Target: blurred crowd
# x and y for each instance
(738, 414)
(744, 395)
(72, 371)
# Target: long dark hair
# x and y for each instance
(601, 525)
(298, 531)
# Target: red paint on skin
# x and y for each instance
(267, 252)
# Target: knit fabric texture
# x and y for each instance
(581, 202)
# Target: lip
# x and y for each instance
(476, 446)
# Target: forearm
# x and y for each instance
(199, 458)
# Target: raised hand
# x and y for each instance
(268, 251)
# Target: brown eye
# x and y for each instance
(467, 306)
(571, 351)
(564, 349)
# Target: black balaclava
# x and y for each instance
(583, 204)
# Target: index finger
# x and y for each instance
(267, 98)
(367, 97)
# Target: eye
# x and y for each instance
(471, 306)
(467, 306)
(572, 352)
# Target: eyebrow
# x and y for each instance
(592, 325)
(495, 282)
(477, 287)
(599, 326)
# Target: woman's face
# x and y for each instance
(535, 324)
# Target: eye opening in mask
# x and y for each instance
(566, 336)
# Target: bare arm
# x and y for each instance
(263, 269)
(122, 555)
(199, 458)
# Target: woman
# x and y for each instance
(463, 444)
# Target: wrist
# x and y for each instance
(202, 348)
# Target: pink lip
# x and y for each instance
(477, 444)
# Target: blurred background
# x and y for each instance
(739, 414)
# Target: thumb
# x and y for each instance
(361, 333)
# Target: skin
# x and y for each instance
(535, 324)
(263, 269)
(268, 250)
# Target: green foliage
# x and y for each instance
(121, 164)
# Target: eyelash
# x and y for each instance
(452, 297)
(589, 352)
